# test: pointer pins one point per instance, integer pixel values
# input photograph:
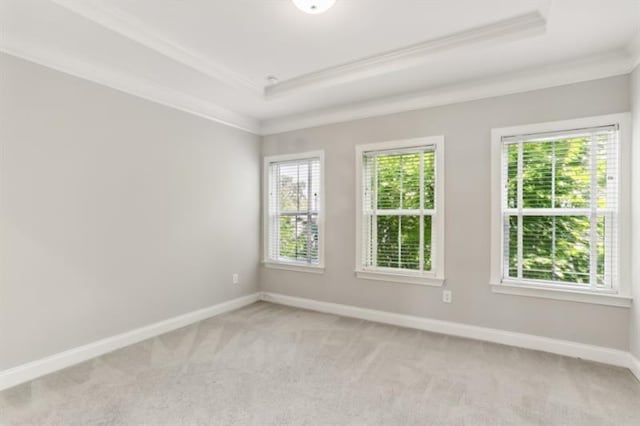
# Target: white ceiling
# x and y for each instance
(361, 58)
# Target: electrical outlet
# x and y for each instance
(446, 296)
(236, 279)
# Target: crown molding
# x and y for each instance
(614, 63)
(592, 68)
(519, 27)
(118, 21)
(114, 19)
(129, 84)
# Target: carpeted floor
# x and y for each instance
(267, 364)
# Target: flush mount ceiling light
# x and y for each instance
(314, 6)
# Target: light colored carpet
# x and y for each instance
(267, 364)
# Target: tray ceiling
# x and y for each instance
(361, 58)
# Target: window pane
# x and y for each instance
(410, 242)
(369, 201)
(387, 253)
(410, 181)
(298, 238)
(399, 181)
(537, 248)
(536, 175)
(389, 176)
(428, 243)
(572, 257)
(573, 173)
(554, 248)
(399, 242)
(292, 187)
(303, 186)
(429, 179)
(287, 237)
(301, 238)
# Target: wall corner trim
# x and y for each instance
(600, 354)
(32, 370)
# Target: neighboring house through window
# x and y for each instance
(294, 211)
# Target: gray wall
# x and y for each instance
(115, 212)
(466, 128)
(635, 213)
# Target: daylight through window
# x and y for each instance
(399, 208)
(560, 207)
(293, 211)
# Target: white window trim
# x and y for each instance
(288, 265)
(621, 294)
(432, 278)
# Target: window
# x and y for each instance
(293, 211)
(400, 222)
(559, 207)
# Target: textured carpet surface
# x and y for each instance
(267, 364)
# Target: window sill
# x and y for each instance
(430, 281)
(517, 289)
(297, 267)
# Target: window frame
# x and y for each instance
(435, 277)
(266, 179)
(619, 294)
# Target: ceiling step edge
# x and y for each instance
(618, 62)
(127, 83)
(520, 27)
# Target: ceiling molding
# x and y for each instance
(591, 68)
(129, 84)
(594, 67)
(519, 27)
(135, 30)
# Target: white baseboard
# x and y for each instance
(25, 372)
(528, 341)
(32, 370)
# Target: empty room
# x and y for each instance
(320, 212)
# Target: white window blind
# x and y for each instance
(560, 208)
(398, 202)
(293, 211)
